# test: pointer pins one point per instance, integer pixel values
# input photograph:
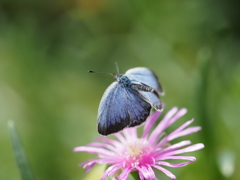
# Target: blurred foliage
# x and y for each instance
(19, 152)
(47, 47)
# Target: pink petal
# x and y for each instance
(182, 126)
(176, 145)
(87, 161)
(89, 166)
(179, 114)
(111, 170)
(150, 122)
(102, 145)
(110, 141)
(172, 165)
(110, 159)
(184, 132)
(120, 137)
(152, 172)
(99, 161)
(165, 171)
(187, 149)
(93, 150)
(171, 113)
(172, 148)
(146, 173)
(140, 173)
(161, 126)
(190, 158)
(124, 174)
(130, 132)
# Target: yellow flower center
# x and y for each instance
(134, 151)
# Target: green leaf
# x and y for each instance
(19, 153)
(135, 175)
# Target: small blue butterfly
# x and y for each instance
(128, 101)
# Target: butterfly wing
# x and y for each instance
(153, 99)
(146, 76)
(121, 107)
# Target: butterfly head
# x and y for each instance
(123, 79)
(118, 77)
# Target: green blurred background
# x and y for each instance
(47, 47)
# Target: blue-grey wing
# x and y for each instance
(153, 99)
(121, 107)
(145, 76)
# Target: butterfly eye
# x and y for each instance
(125, 80)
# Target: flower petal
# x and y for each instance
(167, 122)
(140, 173)
(165, 171)
(99, 161)
(190, 158)
(93, 150)
(179, 114)
(172, 165)
(182, 126)
(187, 149)
(150, 122)
(153, 138)
(110, 141)
(124, 174)
(147, 173)
(111, 170)
(176, 145)
(152, 172)
(130, 132)
(102, 145)
(184, 132)
(172, 148)
(89, 166)
(87, 161)
(120, 137)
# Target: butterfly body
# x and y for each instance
(128, 101)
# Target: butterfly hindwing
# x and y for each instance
(121, 107)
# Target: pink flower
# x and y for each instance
(143, 154)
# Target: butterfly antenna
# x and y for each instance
(116, 64)
(102, 73)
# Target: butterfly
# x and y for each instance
(128, 101)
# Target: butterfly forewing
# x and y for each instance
(138, 108)
(121, 107)
(145, 76)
